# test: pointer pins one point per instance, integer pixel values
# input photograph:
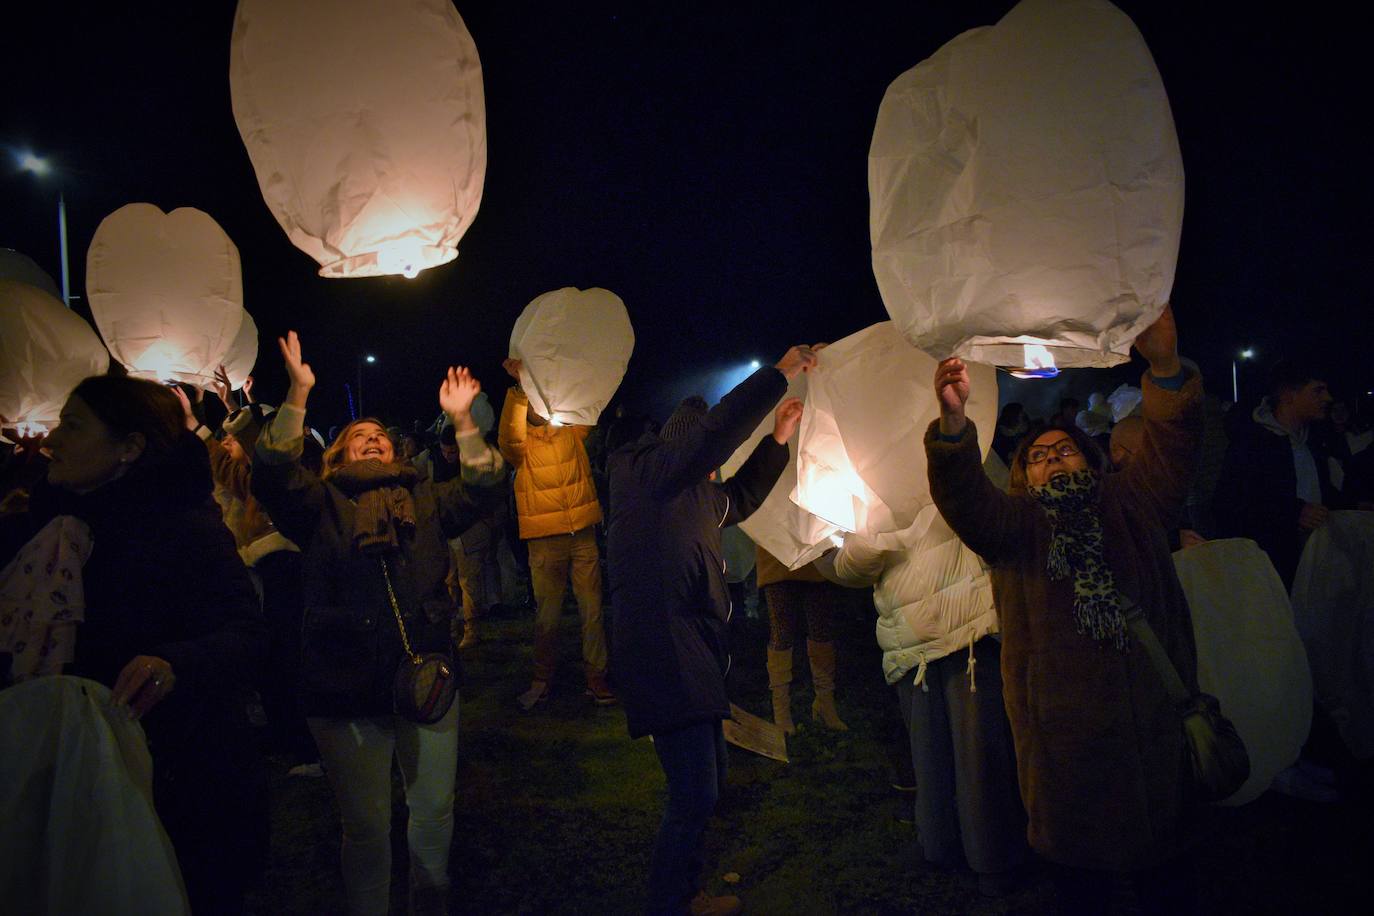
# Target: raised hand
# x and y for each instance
(223, 388)
(143, 683)
(456, 394)
(785, 419)
(1159, 345)
(301, 376)
(800, 358)
(190, 416)
(512, 367)
(248, 388)
(952, 391)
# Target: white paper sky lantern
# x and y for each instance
(781, 527)
(243, 353)
(1249, 655)
(861, 463)
(45, 349)
(365, 122)
(574, 346)
(166, 291)
(1026, 189)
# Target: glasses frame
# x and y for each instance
(1064, 448)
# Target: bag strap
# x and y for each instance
(1145, 636)
(396, 609)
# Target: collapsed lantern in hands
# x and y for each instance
(787, 531)
(166, 292)
(861, 463)
(1026, 191)
(45, 350)
(574, 346)
(366, 127)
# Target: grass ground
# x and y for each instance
(557, 809)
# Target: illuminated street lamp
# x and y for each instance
(1247, 353)
(369, 359)
(40, 167)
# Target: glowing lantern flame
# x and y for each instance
(1038, 363)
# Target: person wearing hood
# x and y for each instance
(170, 620)
(372, 537)
(1275, 485)
(1100, 751)
(671, 606)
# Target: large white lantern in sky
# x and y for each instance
(1026, 191)
(861, 462)
(574, 346)
(366, 126)
(45, 350)
(1249, 655)
(166, 291)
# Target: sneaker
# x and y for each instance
(703, 905)
(600, 693)
(538, 693)
(312, 770)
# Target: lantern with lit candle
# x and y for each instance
(1026, 191)
(366, 126)
(787, 531)
(861, 461)
(166, 292)
(574, 346)
(45, 350)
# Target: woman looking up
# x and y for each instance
(171, 620)
(1099, 745)
(372, 535)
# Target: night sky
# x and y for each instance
(705, 162)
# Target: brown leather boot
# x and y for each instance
(779, 683)
(822, 655)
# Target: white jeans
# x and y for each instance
(357, 755)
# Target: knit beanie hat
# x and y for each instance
(246, 423)
(687, 415)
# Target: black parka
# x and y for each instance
(670, 605)
(350, 641)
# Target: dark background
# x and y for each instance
(707, 163)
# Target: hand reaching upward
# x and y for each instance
(456, 394)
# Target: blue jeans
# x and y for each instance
(694, 760)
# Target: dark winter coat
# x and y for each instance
(1099, 744)
(351, 643)
(163, 579)
(670, 604)
(1256, 495)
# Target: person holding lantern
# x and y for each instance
(558, 510)
(171, 622)
(372, 535)
(1100, 750)
(672, 605)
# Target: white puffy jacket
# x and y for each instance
(932, 593)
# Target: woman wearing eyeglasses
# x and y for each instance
(1099, 746)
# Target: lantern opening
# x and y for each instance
(1038, 363)
(406, 257)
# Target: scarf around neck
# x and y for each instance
(1076, 548)
(385, 506)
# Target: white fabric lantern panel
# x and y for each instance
(861, 462)
(1026, 191)
(1333, 603)
(366, 126)
(45, 350)
(781, 527)
(166, 291)
(242, 355)
(574, 346)
(1249, 655)
(17, 266)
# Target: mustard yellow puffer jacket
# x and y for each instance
(554, 492)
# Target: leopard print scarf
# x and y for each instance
(1076, 548)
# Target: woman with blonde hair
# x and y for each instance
(372, 533)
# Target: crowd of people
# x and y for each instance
(339, 580)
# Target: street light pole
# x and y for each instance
(62, 239)
(1247, 353)
(369, 358)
